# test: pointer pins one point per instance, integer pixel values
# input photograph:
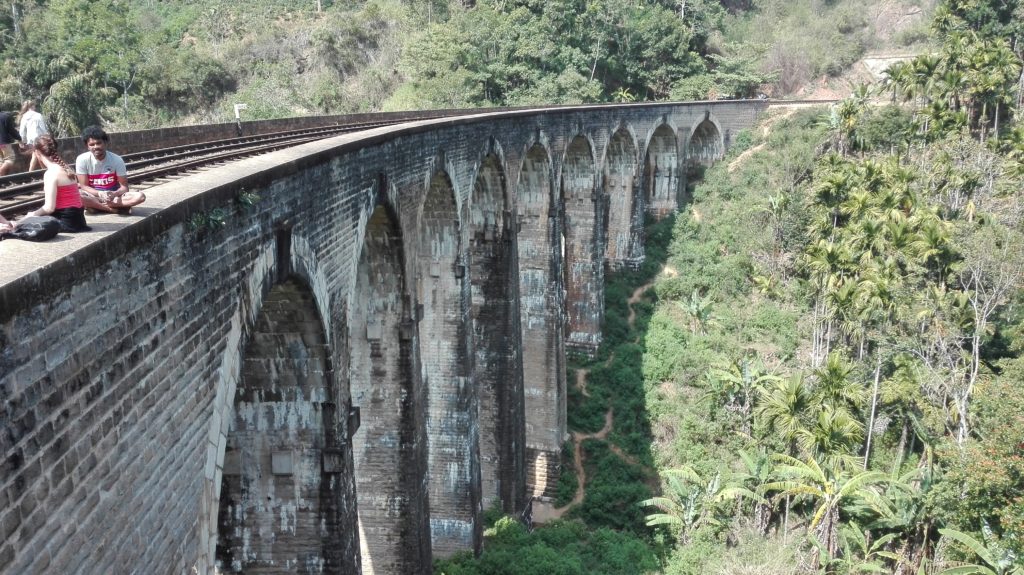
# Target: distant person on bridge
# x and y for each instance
(8, 136)
(62, 199)
(30, 127)
(103, 176)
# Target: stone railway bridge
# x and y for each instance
(329, 359)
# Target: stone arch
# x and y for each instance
(706, 144)
(452, 453)
(583, 252)
(387, 453)
(625, 221)
(497, 372)
(661, 172)
(540, 312)
(244, 317)
(278, 501)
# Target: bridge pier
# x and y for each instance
(390, 463)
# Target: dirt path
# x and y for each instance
(581, 473)
(765, 129)
(638, 294)
(581, 381)
(544, 512)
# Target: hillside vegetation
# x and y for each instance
(135, 64)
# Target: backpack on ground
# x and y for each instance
(34, 229)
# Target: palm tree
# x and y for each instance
(924, 68)
(842, 305)
(781, 405)
(834, 388)
(868, 237)
(898, 79)
(828, 488)
(932, 246)
(833, 436)
(828, 263)
(877, 292)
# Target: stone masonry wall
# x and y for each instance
(121, 350)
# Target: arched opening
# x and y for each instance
(389, 470)
(453, 458)
(583, 257)
(625, 226)
(277, 501)
(497, 371)
(706, 145)
(661, 173)
(540, 321)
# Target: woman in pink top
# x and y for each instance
(60, 188)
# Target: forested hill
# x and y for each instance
(145, 63)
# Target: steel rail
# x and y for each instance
(23, 191)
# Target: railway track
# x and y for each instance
(23, 192)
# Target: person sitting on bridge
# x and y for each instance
(103, 176)
(62, 198)
(8, 136)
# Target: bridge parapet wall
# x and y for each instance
(123, 349)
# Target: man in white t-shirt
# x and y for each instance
(30, 127)
(103, 177)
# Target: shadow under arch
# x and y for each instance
(582, 250)
(452, 443)
(706, 144)
(624, 204)
(543, 347)
(497, 367)
(661, 173)
(277, 465)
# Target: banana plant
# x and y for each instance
(691, 501)
(995, 559)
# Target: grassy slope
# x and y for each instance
(814, 46)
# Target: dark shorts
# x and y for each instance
(71, 219)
